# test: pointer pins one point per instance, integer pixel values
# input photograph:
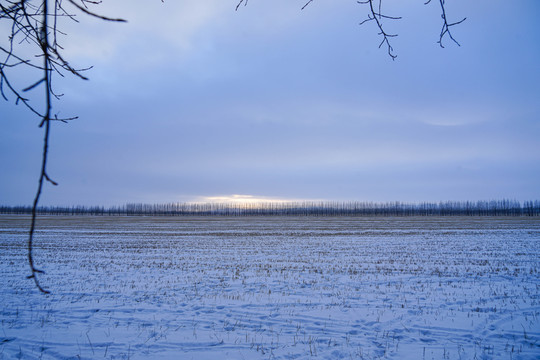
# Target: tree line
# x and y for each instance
(502, 207)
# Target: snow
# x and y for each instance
(272, 288)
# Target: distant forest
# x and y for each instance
(303, 208)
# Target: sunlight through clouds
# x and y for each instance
(244, 199)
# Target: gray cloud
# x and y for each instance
(193, 100)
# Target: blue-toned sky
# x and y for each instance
(192, 100)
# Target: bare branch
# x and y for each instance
(34, 85)
(377, 16)
(49, 180)
(88, 12)
(309, 2)
(36, 25)
(446, 26)
(18, 97)
(44, 41)
(245, 2)
(64, 120)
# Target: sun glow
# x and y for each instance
(242, 199)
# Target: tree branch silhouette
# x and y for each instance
(376, 15)
(446, 26)
(35, 24)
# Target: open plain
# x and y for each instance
(272, 288)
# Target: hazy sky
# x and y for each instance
(192, 99)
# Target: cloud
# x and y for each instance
(193, 98)
(153, 31)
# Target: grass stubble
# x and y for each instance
(272, 287)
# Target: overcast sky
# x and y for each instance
(192, 100)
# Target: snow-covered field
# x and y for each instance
(264, 288)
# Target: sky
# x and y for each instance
(194, 101)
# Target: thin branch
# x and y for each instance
(33, 85)
(88, 12)
(64, 64)
(377, 16)
(46, 121)
(245, 2)
(18, 97)
(446, 26)
(48, 178)
(64, 120)
(21, 61)
(309, 2)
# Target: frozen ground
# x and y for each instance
(264, 288)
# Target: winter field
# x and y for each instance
(272, 288)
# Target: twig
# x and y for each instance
(309, 2)
(377, 16)
(446, 26)
(88, 12)
(245, 2)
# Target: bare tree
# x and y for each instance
(34, 26)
